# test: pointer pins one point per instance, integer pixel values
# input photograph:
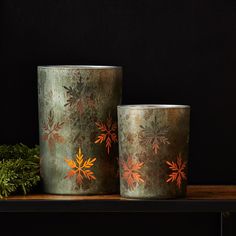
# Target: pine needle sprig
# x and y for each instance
(19, 169)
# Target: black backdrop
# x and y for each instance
(180, 52)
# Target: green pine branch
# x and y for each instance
(19, 169)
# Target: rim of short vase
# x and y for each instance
(152, 106)
(64, 67)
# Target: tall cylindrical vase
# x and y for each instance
(78, 128)
(153, 149)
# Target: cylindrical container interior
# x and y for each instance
(153, 150)
(78, 128)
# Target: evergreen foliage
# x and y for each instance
(19, 169)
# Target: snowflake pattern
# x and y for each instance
(178, 173)
(131, 172)
(109, 133)
(81, 168)
(51, 132)
(153, 135)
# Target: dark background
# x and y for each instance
(179, 52)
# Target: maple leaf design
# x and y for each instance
(108, 134)
(178, 173)
(131, 172)
(51, 132)
(155, 135)
(80, 167)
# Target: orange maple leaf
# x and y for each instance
(131, 172)
(178, 173)
(80, 167)
(108, 134)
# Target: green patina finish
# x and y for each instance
(78, 128)
(153, 149)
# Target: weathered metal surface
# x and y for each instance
(78, 128)
(153, 150)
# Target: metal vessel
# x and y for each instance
(153, 150)
(78, 128)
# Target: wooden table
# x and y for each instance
(219, 198)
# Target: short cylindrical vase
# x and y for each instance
(153, 150)
(78, 128)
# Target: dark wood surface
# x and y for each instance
(199, 199)
(200, 192)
